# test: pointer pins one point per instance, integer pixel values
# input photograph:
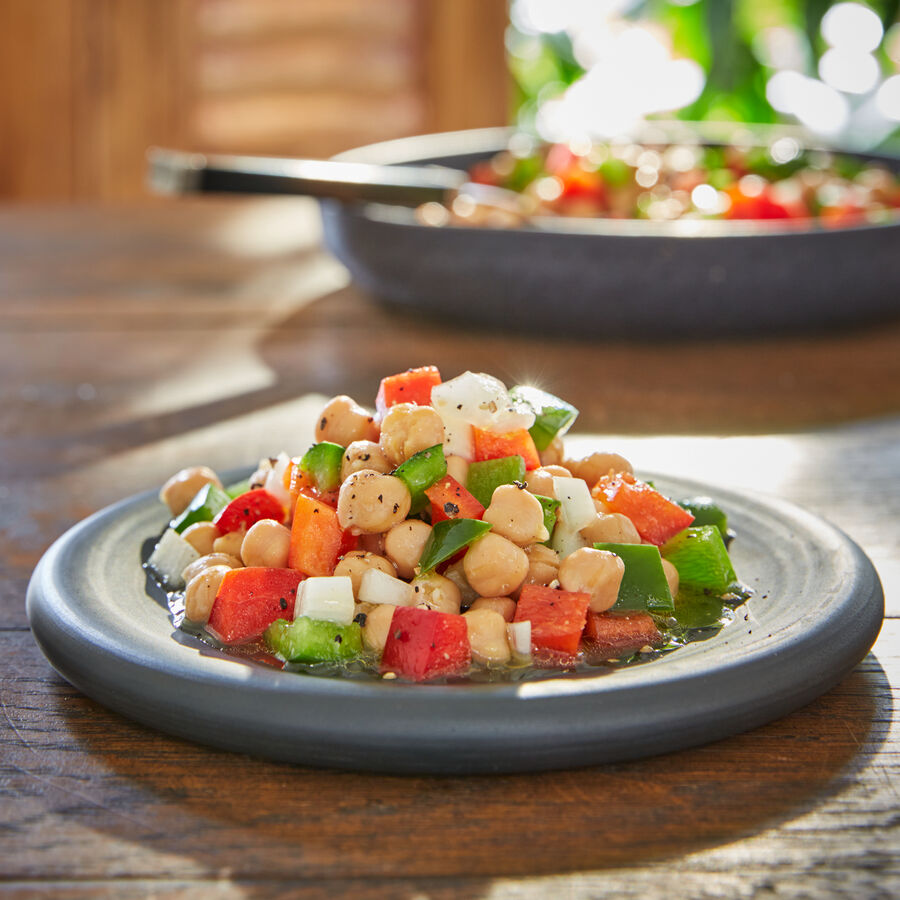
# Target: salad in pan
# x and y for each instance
(676, 181)
(444, 535)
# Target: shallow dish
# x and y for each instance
(612, 278)
(817, 609)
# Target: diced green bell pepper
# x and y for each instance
(550, 506)
(644, 586)
(706, 512)
(449, 537)
(420, 472)
(308, 640)
(552, 416)
(208, 502)
(700, 556)
(696, 608)
(322, 462)
(485, 477)
(238, 488)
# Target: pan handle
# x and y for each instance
(177, 172)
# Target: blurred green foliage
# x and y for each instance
(721, 35)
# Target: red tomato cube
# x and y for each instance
(557, 617)
(613, 634)
(249, 600)
(412, 386)
(423, 644)
(248, 509)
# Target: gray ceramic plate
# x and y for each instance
(817, 610)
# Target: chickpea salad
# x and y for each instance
(447, 535)
(677, 181)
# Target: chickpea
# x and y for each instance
(404, 543)
(201, 536)
(672, 576)
(370, 502)
(495, 566)
(356, 563)
(208, 561)
(230, 543)
(406, 429)
(611, 528)
(377, 626)
(487, 636)
(458, 468)
(266, 544)
(517, 515)
(554, 453)
(363, 455)
(343, 421)
(592, 468)
(506, 606)
(543, 565)
(437, 592)
(540, 480)
(200, 593)
(596, 572)
(181, 488)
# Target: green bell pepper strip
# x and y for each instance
(449, 537)
(700, 556)
(308, 640)
(208, 502)
(550, 506)
(238, 488)
(485, 477)
(552, 416)
(322, 462)
(644, 586)
(420, 472)
(706, 512)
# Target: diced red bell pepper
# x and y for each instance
(512, 443)
(412, 386)
(613, 634)
(250, 600)
(423, 644)
(450, 500)
(248, 509)
(317, 539)
(301, 483)
(557, 617)
(655, 517)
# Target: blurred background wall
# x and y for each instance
(88, 85)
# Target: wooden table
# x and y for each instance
(134, 341)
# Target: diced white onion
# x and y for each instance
(576, 509)
(458, 440)
(274, 482)
(567, 540)
(171, 556)
(482, 401)
(379, 587)
(520, 639)
(328, 598)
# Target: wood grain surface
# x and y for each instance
(139, 339)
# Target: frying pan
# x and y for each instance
(576, 277)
